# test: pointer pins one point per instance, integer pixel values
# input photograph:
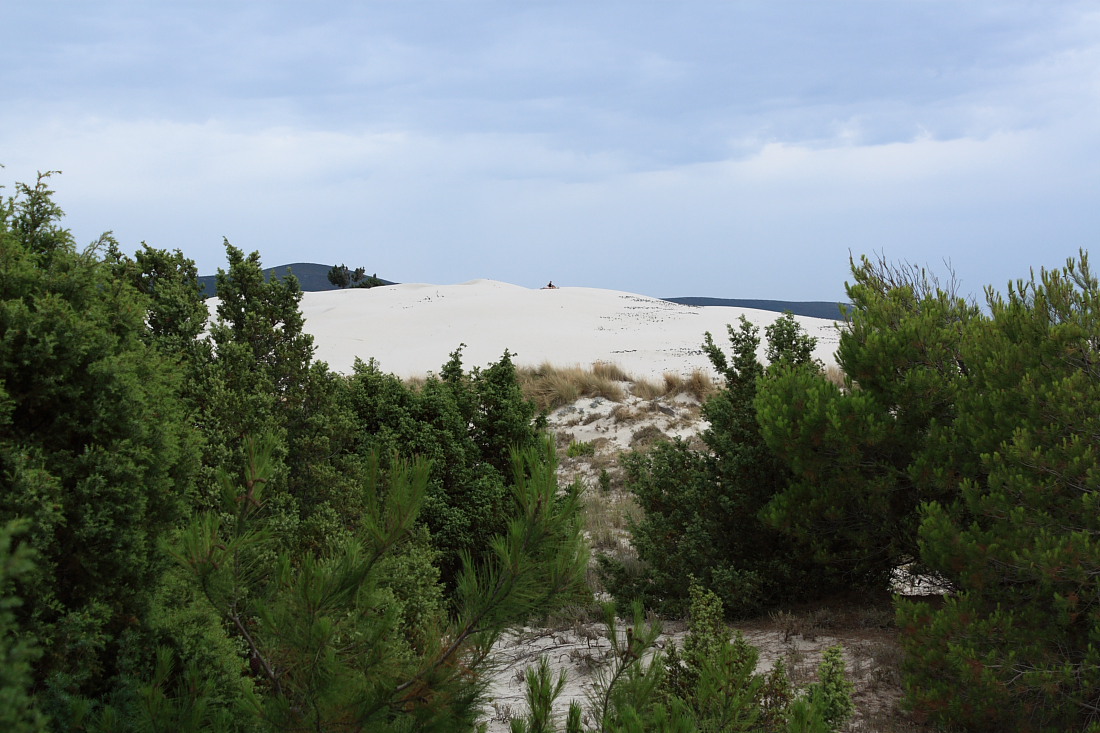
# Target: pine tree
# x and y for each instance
(324, 634)
(1016, 648)
(864, 456)
(703, 508)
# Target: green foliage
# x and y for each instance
(628, 684)
(863, 458)
(342, 277)
(467, 425)
(259, 378)
(580, 448)
(341, 640)
(673, 539)
(832, 693)
(308, 589)
(702, 510)
(95, 451)
(18, 711)
(1016, 649)
(176, 314)
(715, 678)
(963, 442)
(803, 716)
(542, 690)
(711, 687)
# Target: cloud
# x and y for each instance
(736, 149)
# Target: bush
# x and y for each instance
(466, 424)
(359, 634)
(1015, 649)
(580, 448)
(864, 458)
(711, 686)
(963, 442)
(702, 508)
(832, 693)
(96, 451)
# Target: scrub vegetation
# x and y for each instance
(203, 528)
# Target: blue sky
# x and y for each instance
(728, 149)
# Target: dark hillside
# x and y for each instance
(311, 277)
(810, 308)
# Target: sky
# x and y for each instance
(689, 148)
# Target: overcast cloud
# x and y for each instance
(729, 149)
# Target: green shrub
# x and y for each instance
(965, 441)
(18, 710)
(863, 460)
(97, 453)
(702, 508)
(580, 448)
(1015, 648)
(466, 424)
(359, 633)
(832, 693)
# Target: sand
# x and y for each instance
(411, 329)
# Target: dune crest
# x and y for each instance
(411, 329)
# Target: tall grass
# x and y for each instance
(698, 384)
(550, 386)
(612, 371)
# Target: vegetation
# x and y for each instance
(867, 455)
(1015, 646)
(698, 384)
(580, 448)
(693, 499)
(551, 386)
(962, 445)
(203, 528)
(96, 452)
(711, 686)
(342, 277)
(199, 532)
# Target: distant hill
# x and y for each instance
(810, 308)
(311, 277)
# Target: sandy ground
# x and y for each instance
(412, 329)
(581, 650)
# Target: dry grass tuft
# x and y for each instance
(415, 383)
(624, 413)
(607, 518)
(647, 390)
(647, 436)
(698, 384)
(835, 375)
(550, 386)
(610, 370)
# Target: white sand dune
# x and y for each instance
(411, 329)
